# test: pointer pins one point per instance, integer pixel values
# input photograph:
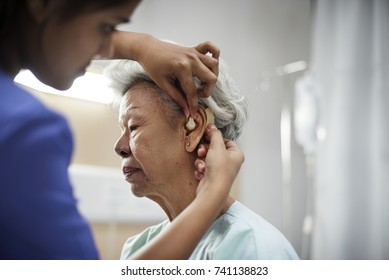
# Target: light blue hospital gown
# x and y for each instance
(239, 234)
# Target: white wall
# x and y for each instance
(104, 197)
(255, 37)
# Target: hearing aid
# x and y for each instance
(191, 124)
(210, 116)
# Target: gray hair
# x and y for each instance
(228, 104)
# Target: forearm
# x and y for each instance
(129, 45)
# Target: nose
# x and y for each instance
(122, 148)
(106, 49)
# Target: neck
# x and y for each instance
(173, 207)
(174, 196)
(175, 201)
(16, 41)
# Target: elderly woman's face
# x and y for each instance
(152, 148)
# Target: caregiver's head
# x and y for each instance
(56, 39)
(157, 148)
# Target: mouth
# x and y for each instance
(128, 172)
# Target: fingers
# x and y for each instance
(207, 72)
(200, 165)
(211, 62)
(215, 137)
(176, 68)
(208, 47)
(186, 79)
(203, 67)
(209, 69)
(200, 169)
(199, 175)
(176, 95)
(202, 150)
(219, 156)
(187, 84)
(231, 146)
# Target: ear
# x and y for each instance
(193, 136)
(39, 9)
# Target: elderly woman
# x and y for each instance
(159, 147)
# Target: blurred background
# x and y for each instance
(316, 142)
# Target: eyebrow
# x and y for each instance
(128, 111)
(131, 109)
(123, 117)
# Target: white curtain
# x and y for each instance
(350, 64)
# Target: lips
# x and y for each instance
(129, 171)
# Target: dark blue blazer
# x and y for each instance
(38, 212)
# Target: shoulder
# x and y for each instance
(136, 242)
(17, 103)
(243, 226)
(35, 148)
(33, 138)
(15, 100)
(244, 218)
(26, 121)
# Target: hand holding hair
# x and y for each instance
(172, 66)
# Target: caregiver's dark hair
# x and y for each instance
(71, 8)
(15, 15)
(9, 9)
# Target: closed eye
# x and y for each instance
(133, 127)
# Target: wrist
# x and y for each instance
(213, 194)
(130, 45)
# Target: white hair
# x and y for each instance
(228, 104)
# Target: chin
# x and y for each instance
(59, 84)
(138, 191)
(63, 85)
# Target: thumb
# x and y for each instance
(215, 137)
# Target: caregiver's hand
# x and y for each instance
(173, 66)
(219, 161)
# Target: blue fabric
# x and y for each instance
(38, 212)
(239, 234)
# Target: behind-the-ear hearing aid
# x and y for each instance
(191, 124)
(210, 116)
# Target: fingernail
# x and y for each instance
(193, 113)
(186, 112)
(212, 126)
